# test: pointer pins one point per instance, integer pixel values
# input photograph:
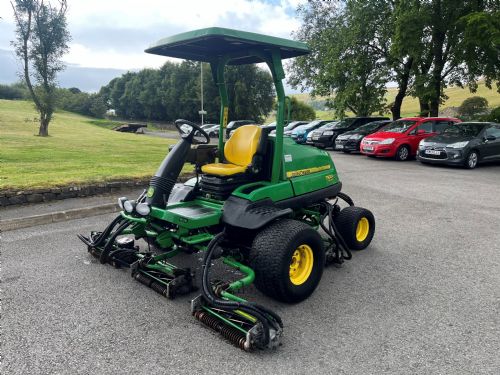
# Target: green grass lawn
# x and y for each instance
(78, 150)
(411, 107)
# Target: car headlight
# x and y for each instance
(387, 141)
(143, 209)
(129, 206)
(328, 132)
(421, 145)
(458, 144)
(121, 201)
(357, 136)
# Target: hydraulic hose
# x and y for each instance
(109, 244)
(332, 230)
(259, 312)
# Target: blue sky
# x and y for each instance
(114, 33)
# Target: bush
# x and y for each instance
(494, 115)
(74, 100)
(13, 91)
(300, 110)
(473, 107)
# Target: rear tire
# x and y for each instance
(357, 226)
(403, 153)
(288, 259)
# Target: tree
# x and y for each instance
(472, 107)
(458, 44)
(300, 111)
(342, 64)
(41, 40)
(173, 92)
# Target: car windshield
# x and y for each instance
(345, 123)
(369, 127)
(471, 130)
(399, 126)
(310, 125)
(292, 125)
(330, 125)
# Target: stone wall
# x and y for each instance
(16, 197)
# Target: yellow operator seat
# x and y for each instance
(238, 152)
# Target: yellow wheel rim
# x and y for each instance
(301, 264)
(362, 229)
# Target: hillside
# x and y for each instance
(411, 107)
(77, 150)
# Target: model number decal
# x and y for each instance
(303, 172)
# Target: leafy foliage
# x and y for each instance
(14, 91)
(86, 104)
(422, 45)
(173, 91)
(300, 111)
(473, 106)
(342, 62)
(494, 115)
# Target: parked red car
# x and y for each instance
(400, 138)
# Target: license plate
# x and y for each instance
(368, 148)
(340, 147)
(432, 152)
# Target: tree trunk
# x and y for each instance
(436, 98)
(43, 131)
(424, 107)
(403, 87)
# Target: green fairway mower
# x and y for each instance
(257, 204)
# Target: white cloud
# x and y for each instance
(142, 19)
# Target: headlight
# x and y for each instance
(129, 206)
(387, 141)
(458, 144)
(143, 209)
(328, 132)
(121, 201)
(357, 136)
(421, 145)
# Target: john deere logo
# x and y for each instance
(151, 191)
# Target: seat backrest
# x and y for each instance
(242, 145)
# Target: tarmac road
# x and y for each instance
(424, 298)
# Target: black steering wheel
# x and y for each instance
(188, 130)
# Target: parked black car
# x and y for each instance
(466, 143)
(327, 137)
(233, 125)
(350, 141)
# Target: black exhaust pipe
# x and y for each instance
(163, 181)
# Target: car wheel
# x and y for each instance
(471, 160)
(403, 153)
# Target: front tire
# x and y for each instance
(471, 160)
(356, 226)
(403, 153)
(288, 258)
